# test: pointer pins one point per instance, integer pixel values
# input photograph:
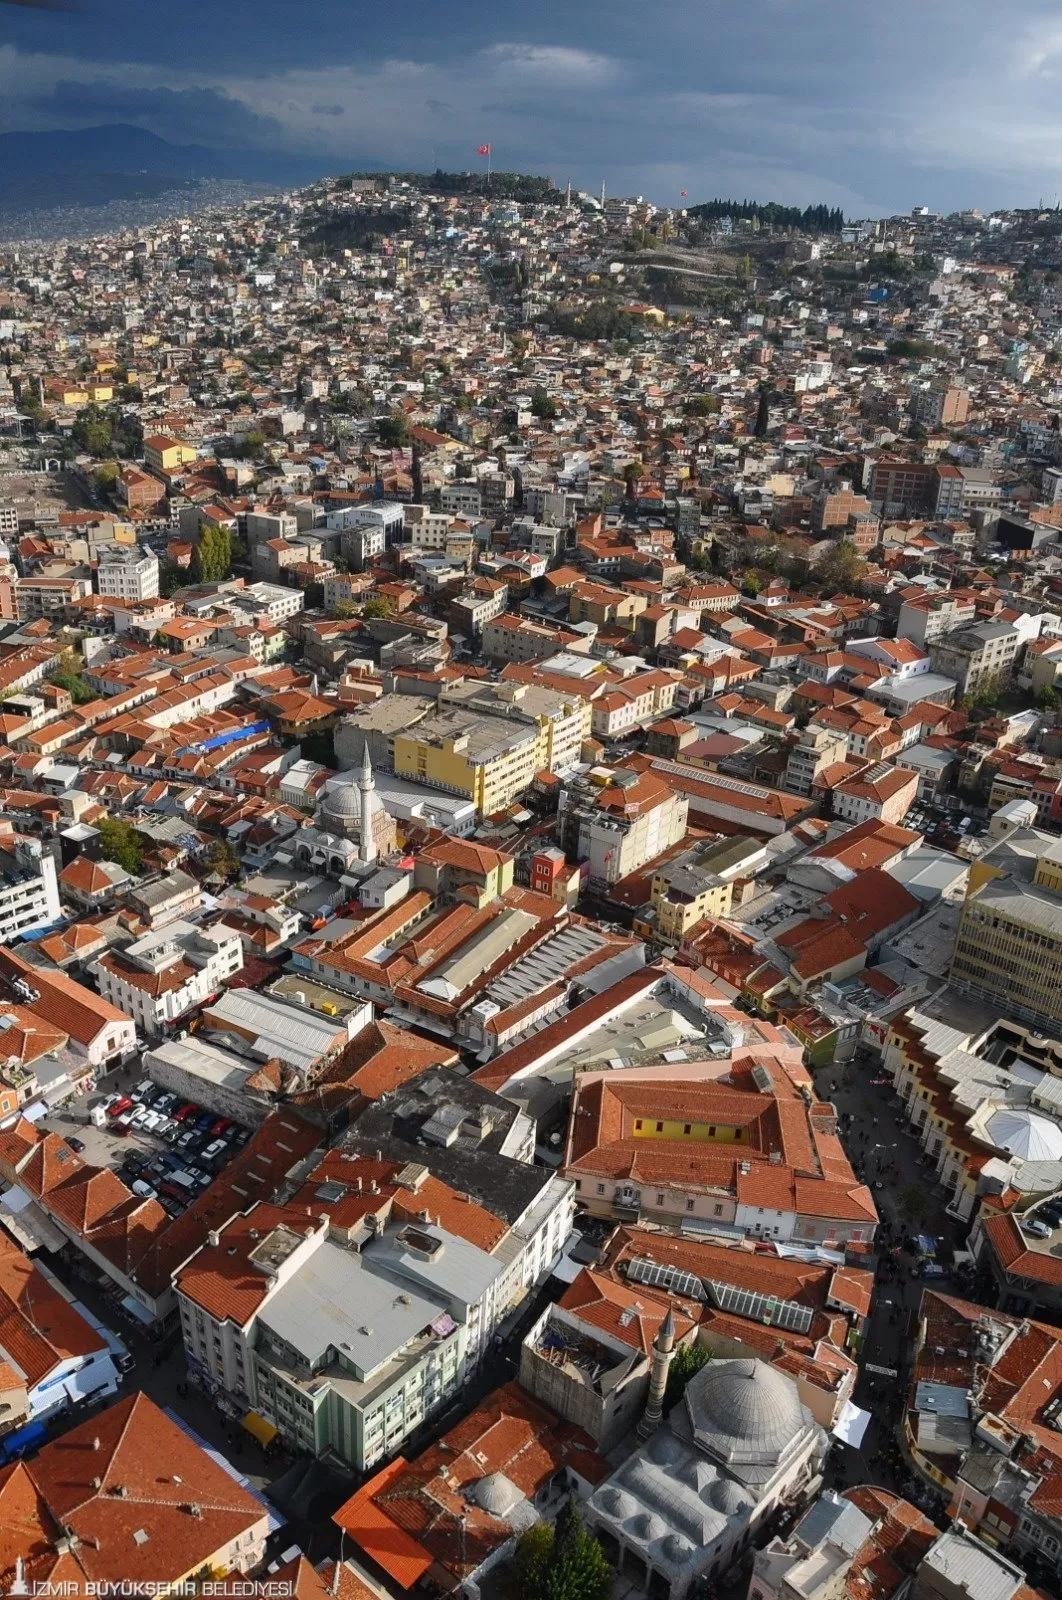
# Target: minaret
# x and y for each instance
(367, 785)
(663, 1355)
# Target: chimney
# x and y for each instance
(96, 1443)
(213, 1238)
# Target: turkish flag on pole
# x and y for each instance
(483, 149)
(683, 193)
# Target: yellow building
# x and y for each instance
(593, 602)
(487, 760)
(164, 454)
(78, 391)
(1008, 946)
(563, 720)
(681, 898)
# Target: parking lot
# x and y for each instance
(162, 1146)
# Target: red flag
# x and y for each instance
(483, 149)
(683, 193)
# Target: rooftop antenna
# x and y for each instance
(602, 194)
(568, 196)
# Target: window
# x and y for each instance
(718, 1211)
(688, 1128)
(659, 1199)
(660, 1127)
(711, 1133)
(690, 1205)
(601, 1188)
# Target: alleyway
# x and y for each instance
(883, 1152)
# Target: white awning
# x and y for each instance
(136, 1310)
(851, 1425)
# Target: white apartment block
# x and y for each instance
(162, 976)
(268, 600)
(263, 525)
(125, 572)
(29, 888)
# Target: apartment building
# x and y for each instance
(564, 721)
(617, 820)
(48, 597)
(126, 572)
(688, 889)
(1008, 945)
(816, 749)
(882, 793)
(940, 405)
(483, 758)
(916, 488)
(265, 525)
(426, 529)
(833, 510)
(29, 886)
(978, 658)
(515, 639)
(461, 499)
(925, 619)
(346, 1332)
(164, 454)
(168, 973)
(268, 600)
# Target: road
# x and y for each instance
(882, 1151)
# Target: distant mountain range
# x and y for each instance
(119, 161)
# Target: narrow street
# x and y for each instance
(883, 1152)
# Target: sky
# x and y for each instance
(875, 107)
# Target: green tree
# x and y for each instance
(751, 584)
(105, 477)
(561, 1563)
(841, 569)
(213, 555)
(92, 431)
(393, 430)
(221, 859)
(378, 606)
(913, 1203)
(686, 1363)
(67, 675)
(701, 405)
(119, 841)
(543, 405)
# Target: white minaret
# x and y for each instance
(663, 1355)
(367, 785)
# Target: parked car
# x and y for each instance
(143, 1189)
(1037, 1228)
(185, 1111)
(205, 1122)
(119, 1106)
(75, 1143)
(216, 1148)
(141, 1089)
